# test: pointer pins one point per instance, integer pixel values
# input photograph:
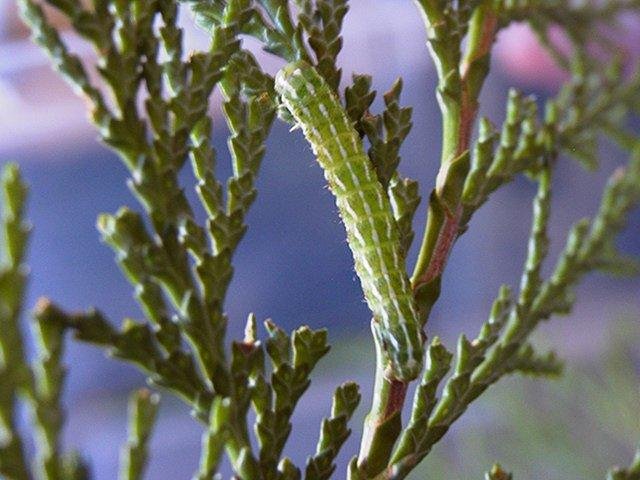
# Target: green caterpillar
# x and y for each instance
(366, 212)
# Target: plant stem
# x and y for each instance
(459, 114)
(459, 106)
(383, 423)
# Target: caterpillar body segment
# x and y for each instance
(372, 233)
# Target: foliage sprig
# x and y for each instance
(150, 103)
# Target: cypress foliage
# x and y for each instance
(149, 102)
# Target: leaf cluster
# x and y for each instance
(150, 103)
(152, 108)
(595, 102)
(40, 383)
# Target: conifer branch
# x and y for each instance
(45, 393)
(460, 82)
(631, 473)
(484, 361)
(14, 376)
(333, 433)
(143, 408)
(151, 107)
(322, 21)
(40, 383)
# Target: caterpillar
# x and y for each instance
(372, 233)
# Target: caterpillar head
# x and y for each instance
(285, 89)
(285, 115)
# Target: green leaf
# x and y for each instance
(143, 409)
(15, 231)
(497, 473)
(424, 399)
(387, 132)
(358, 98)
(323, 25)
(278, 344)
(48, 375)
(333, 433)
(309, 346)
(528, 362)
(405, 198)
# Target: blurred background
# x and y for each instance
(294, 265)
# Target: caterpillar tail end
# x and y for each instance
(403, 373)
(403, 357)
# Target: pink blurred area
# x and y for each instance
(40, 111)
(519, 53)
